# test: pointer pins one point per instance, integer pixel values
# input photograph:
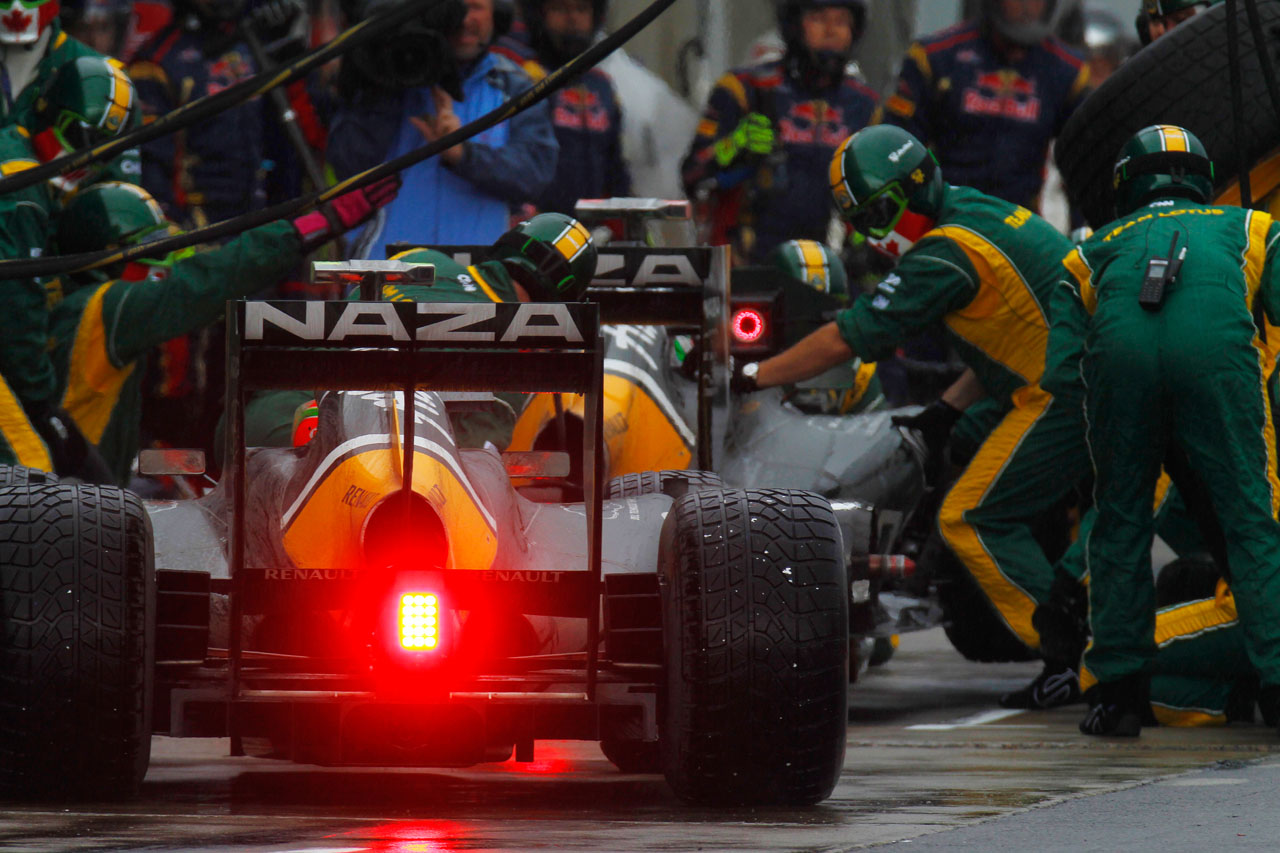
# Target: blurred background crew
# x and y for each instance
(33, 46)
(465, 194)
(764, 146)
(586, 114)
(1160, 16)
(213, 170)
(1107, 42)
(988, 96)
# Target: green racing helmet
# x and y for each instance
(110, 215)
(1162, 161)
(887, 186)
(87, 101)
(550, 255)
(813, 263)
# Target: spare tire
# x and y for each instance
(652, 483)
(1183, 79)
(16, 475)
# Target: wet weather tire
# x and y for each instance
(13, 475)
(1183, 79)
(969, 619)
(77, 604)
(652, 482)
(756, 643)
(1187, 579)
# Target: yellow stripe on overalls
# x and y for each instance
(1014, 604)
(1255, 258)
(484, 285)
(93, 382)
(1004, 320)
(1079, 269)
(18, 432)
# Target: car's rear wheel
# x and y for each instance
(971, 622)
(1187, 579)
(756, 644)
(77, 640)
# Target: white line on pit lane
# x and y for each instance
(983, 719)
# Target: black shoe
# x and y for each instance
(1118, 708)
(1055, 686)
(1269, 704)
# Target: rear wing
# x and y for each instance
(407, 346)
(654, 286)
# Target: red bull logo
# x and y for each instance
(580, 108)
(813, 123)
(1003, 93)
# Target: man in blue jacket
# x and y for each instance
(465, 195)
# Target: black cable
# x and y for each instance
(540, 91)
(202, 108)
(1237, 99)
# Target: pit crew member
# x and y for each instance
(586, 114)
(1160, 16)
(105, 321)
(85, 102)
(766, 138)
(989, 95)
(1171, 301)
(820, 267)
(984, 269)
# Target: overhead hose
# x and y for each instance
(535, 94)
(210, 105)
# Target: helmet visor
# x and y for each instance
(72, 131)
(877, 216)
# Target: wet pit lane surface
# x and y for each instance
(929, 750)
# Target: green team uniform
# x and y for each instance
(25, 366)
(986, 272)
(1201, 675)
(101, 334)
(63, 49)
(1194, 372)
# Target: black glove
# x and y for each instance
(933, 422)
(742, 379)
(72, 454)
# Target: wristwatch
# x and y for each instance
(751, 371)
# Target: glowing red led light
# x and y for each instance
(748, 325)
(419, 621)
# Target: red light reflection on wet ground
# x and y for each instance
(410, 836)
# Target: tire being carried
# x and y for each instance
(1182, 78)
(756, 644)
(77, 647)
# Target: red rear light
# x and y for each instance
(418, 620)
(749, 325)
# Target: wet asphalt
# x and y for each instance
(932, 764)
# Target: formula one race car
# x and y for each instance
(382, 597)
(658, 419)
